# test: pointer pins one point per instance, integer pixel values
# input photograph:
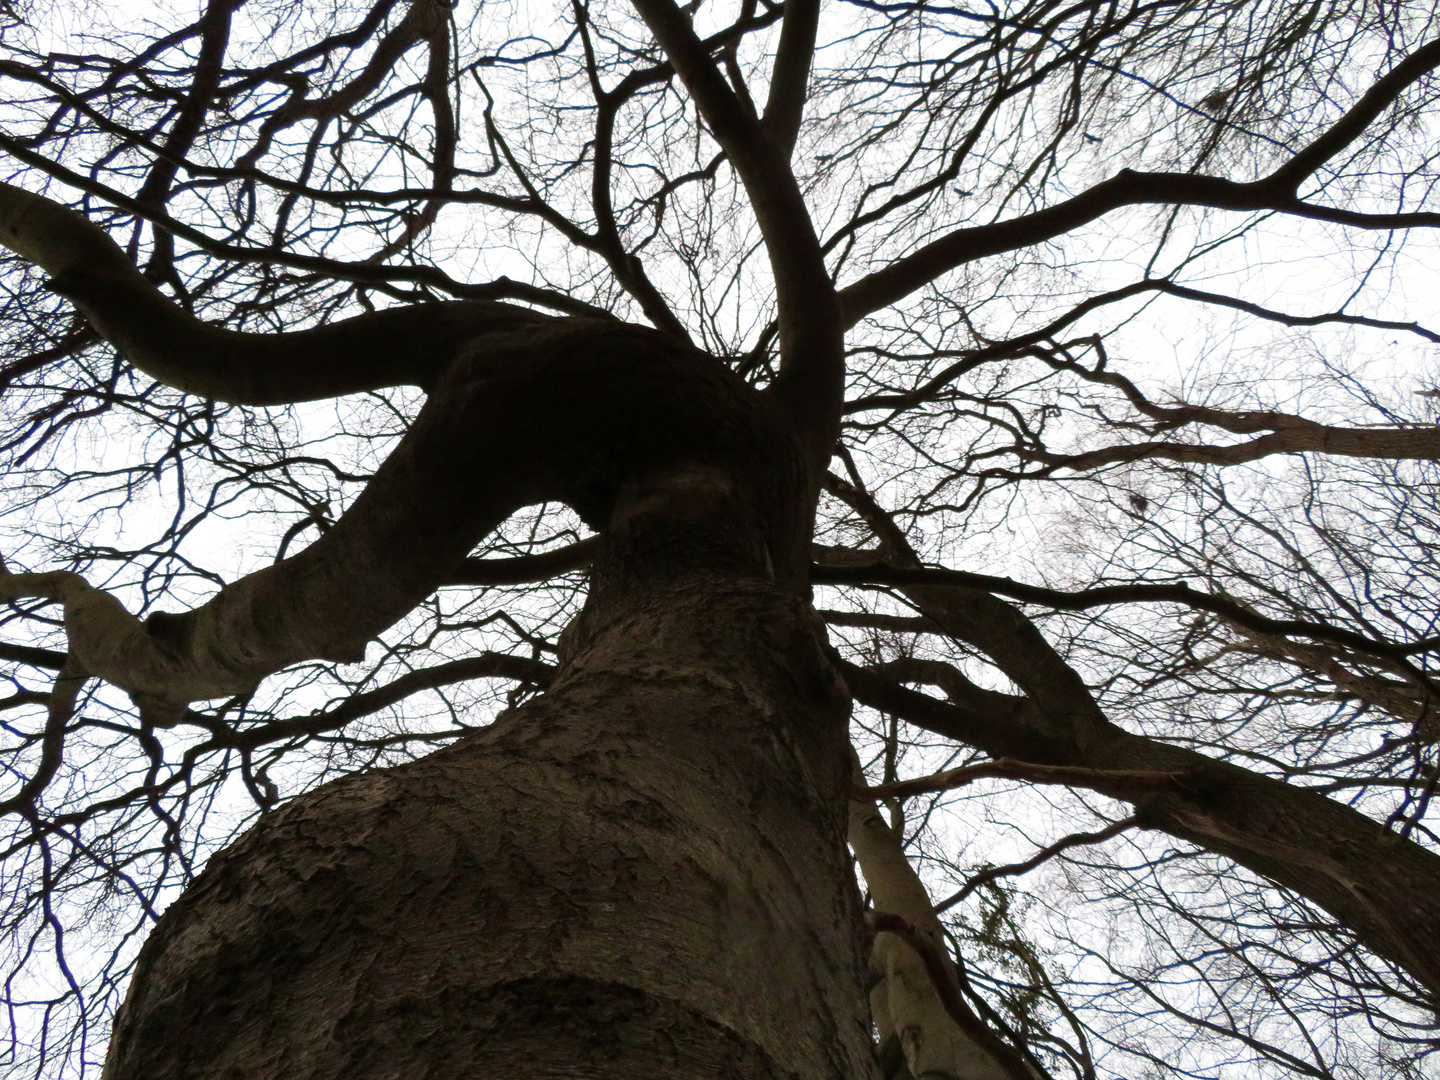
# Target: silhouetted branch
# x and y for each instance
(1065, 843)
(1100, 596)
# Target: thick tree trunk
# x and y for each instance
(642, 873)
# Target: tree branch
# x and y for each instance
(524, 568)
(1065, 843)
(502, 288)
(1299, 436)
(1300, 839)
(489, 665)
(879, 573)
(1289, 434)
(549, 411)
(790, 76)
(26, 654)
(409, 345)
(1138, 782)
(810, 381)
(1381, 95)
(947, 989)
(946, 1041)
(214, 29)
(1185, 292)
(1275, 192)
(1025, 344)
(1319, 848)
(60, 708)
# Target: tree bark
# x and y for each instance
(904, 1002)
(641, 873)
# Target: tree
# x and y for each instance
(641, 323)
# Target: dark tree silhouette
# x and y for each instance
(439, 438)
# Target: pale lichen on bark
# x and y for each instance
(904, 1001)
(109, 643)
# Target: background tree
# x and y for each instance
(1069, 350)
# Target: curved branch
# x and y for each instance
(489, 665)
(627, 267)
(423, 19)
(548, 411)
(1065, 843)
(524, 569)
(403, 345)
(1381, 95)
(879, 573)
(502, 288)
(1126, 188)
(950, 1040)
(1024, 344)
(869, 620)
(409, 345)
(1185, 292)
(1383, 886)
(810, 381)
(1386, 888)
(435, 88)
(1275, 192)
(60, 707)
(947, 990)
(214, 27)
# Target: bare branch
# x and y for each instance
(60, 708)
(1065, 843)
(386, 348)
(214, 29)
(26, 654)
(1382, 94)
(937, 1031)
(1137, 592)
(1139, 782)
(485, 666)
(790, 76)
(1297, 436)
(1244, 815)
(810, 383)
(1289, 434)
(1275, 192)
(1025, 344)
(524, 568)
(502, 288)
(947, 987)
(546, 412)
(1298, 838)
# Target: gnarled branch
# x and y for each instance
(409, 345)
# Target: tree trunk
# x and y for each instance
(641, 873)
(904, 1002)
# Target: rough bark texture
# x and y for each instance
(642, 873)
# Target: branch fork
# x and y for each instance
(108, 642)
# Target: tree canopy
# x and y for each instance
(1124, 495)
